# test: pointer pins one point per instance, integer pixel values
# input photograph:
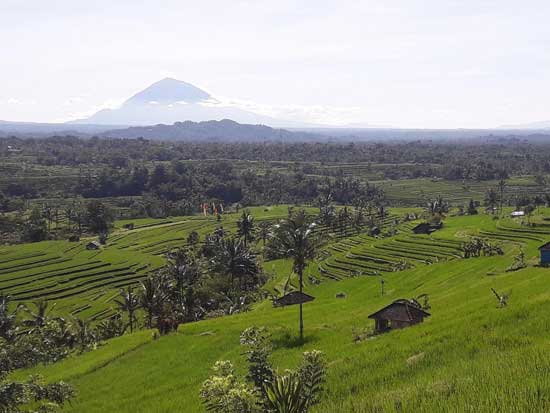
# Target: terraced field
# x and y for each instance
(470, 355)
(365, 255)
(79, 281)
(411, 192)
(85, 282)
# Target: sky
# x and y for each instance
(398, 63)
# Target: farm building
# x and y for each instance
(93, 245)
(425, 228)
(374, 231)
(517, 214)
(545, 254)
(399, 314)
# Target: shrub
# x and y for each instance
(258, 350)
(224, 393)
(293, 392)
(312, 374)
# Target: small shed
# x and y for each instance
(426, 228)
(93, 245)
(517, 214)
(545, 254)
(399, 314)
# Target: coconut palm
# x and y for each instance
(112, 327)
(84, 334)
(8, 319)
(186, 280)
(295, 237)
(151, 298)
(236, 261)
(491, 199)
(501, 186)
(246, 227)
(264, 229)
(129, 302)
(38, 316)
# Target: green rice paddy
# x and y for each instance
(469, 356)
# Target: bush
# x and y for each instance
(294, 392)
(224, 393)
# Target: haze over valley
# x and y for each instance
(274, 207)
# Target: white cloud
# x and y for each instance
(326, 61)
(82, 114)
(73, 100)
(18, 102)
(314, 114)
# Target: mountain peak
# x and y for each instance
(171, 100)
(167, 91)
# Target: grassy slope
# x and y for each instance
(469, 356)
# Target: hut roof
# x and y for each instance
(400, 310)
(294, 297)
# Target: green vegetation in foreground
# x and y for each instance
(469, 356)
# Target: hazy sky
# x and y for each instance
(404, 63)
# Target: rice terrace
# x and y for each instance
(357, 221)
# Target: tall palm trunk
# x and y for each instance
(131, 317)
(301, 313)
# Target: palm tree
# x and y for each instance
(491, 199)
(295, 237)
(111, 327)
(39, 316)
(65, 335)
(186, 273)
(129, 302)
(235, 260)
(151, 298)
(358, 220)
(8, 319)
(246, 227)
(501, 186)
(84, 335)
(264, 230)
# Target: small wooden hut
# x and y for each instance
(545, 254)
(426, 228)
(399, 314)
(93, 245)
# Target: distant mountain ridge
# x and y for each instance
(170, 100)
(169, 91)
(212, 131)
